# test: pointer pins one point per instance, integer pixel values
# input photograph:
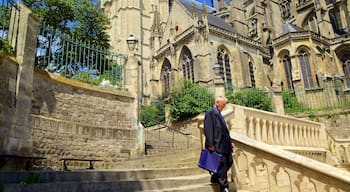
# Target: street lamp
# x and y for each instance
(132, 42)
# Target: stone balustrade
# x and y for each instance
(340, 148)
(272, 151)
(272, 128)
(260, 167)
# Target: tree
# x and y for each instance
(79, 18)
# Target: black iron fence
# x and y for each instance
(9, 22)
(78, 60)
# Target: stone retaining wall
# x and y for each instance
(72, 119)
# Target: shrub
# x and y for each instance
(188, 99)
(252, 97)
(5, 46)
(290, 102)
(153, 114)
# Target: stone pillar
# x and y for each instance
(219, 83)
(133, 86)
(18, 140)
(277, 100)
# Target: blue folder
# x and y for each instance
(210, 161)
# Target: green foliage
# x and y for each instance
(87, 77)
(153, 114)
(31, 178)
(4, 46)
(253, 97)
(80, 18)
(189, 99)
(290, 102)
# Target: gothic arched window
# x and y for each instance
(288, 71)
(306, 69)
(223, 60)
(335, 18)
(285, 8)
(165, 76)
(251, 74)
(186, 62)
(310, 23)
(346, 68)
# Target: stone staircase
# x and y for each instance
(167, 172)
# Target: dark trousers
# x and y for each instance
(226, 163)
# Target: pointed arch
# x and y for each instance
(343, 53)
(186, 64)
(310, 22)
(286, 65)
(251, 73)
(309, 77)
(165, 76)
(336, 20)
(223, 60)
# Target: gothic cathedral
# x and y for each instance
(275, 45)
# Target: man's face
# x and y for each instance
(221, 105)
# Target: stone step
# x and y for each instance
(8, 177)
(117, 185)
(184, 158)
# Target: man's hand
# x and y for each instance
(211, 148)
(232, 145)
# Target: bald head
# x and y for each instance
(220, 102)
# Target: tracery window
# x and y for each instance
(306, 69)
(288, 71)
(285, 8)
(165, 76)
(223, 60)
(187, 64)
(251, 74)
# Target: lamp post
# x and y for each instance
(134, 67)
(132, 42)
(134, 75)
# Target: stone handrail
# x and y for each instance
(262, 167)
(340, 148)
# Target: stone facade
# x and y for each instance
(275, 45)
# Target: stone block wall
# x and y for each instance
(69, 100)
(72, 119)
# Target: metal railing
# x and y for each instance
(9, 18)
(78, 60)
(332, 94)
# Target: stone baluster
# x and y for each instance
(275, 132)
(318, 138)
(299, 135)
(269, 132)
(347, 155)
(281, 133)
(286, 134)
(313, 136)
(303, 136)
(307, 136)
(264, 131)
(292, 134)
(257, 129)
(250, 129)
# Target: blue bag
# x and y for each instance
(210, 161)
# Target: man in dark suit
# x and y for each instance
(217, 138)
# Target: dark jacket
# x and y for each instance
(216, 132)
